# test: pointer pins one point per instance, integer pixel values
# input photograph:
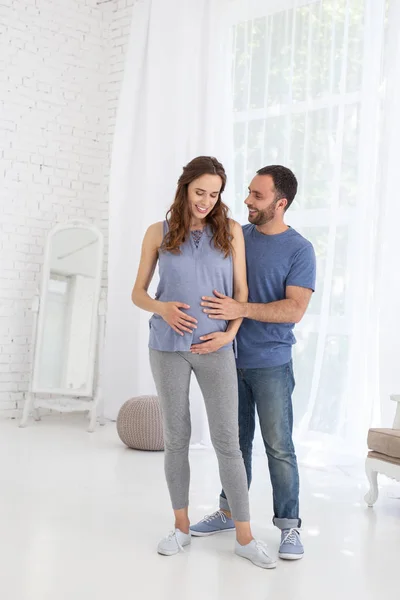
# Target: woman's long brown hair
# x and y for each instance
(179, 215)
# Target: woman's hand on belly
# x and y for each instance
(180, 322)
(212, 342)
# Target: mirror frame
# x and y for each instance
(87, 391)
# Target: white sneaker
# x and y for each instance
(174, 543)
(257, 552)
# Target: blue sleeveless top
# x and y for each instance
(186, 277)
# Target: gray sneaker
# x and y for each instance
(215, 523)
(291, 547)
(174, 543)
(257, 552)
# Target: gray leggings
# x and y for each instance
(216, 375)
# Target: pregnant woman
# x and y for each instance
(199, 250)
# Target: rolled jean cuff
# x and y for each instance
(223, 504)
(286, 523)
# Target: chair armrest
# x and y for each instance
(396, 423)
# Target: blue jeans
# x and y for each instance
(270, 391)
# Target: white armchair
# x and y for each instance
(384, 455)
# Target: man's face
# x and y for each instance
(261, 202)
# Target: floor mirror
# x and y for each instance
(68, 325)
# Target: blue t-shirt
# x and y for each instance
(273, 262)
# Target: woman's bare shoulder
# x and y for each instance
(235, 227)
(154, 234)
(156, 227)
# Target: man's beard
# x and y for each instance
(262, 217)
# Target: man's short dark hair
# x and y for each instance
(285, 182)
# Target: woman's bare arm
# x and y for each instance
(240, 289)
(170, 311)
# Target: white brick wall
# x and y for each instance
(119, 17)
(61, 64)
(119, 35)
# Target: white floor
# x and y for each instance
(81, 516)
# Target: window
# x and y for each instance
(306, 94)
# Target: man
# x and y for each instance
(281, 280)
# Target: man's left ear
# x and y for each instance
(283, 202)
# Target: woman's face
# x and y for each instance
(203, 193)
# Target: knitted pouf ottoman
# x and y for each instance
(139, 423)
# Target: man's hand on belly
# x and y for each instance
(223, 307)
(212, 342)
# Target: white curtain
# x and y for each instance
(388, 207)
(314, 86)
(175, 104)
(309, 92)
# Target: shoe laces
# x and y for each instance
(216, 515)
(290, 537)
(262, 547)
(172, 535)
